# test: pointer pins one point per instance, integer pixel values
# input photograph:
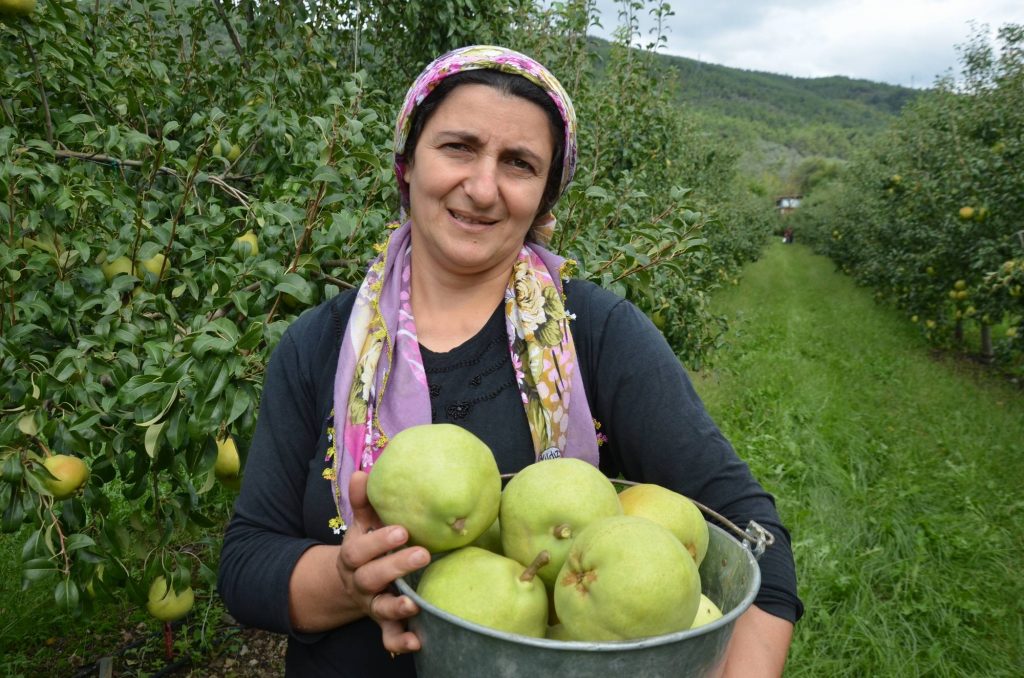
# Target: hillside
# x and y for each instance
(785, 102)
(781, 121)
(782, 118)
(791, 128)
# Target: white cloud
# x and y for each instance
(908, 43)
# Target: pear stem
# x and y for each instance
(459, 525)
(542, 559)
(563, 531)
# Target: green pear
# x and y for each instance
(488, 589)
(491, 538)
(707, 612)
(17, 7)
(557, 632)
(166, 605)
(114, 268)
(228, 463)
(69, 475)
(671, 510)
(247, 245)
(626, 577)
(548, 503)
(155, 266)
(440, 482)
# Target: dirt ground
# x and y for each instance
(252, 653)
(237, 652)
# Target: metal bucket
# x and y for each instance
(452, 646)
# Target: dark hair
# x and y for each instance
(509, 84)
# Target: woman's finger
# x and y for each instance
(389, 607)
(379, 573)
(365, 517)
(390, 613)
(397, 639)
(359, 549)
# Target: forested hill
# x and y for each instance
(810, 116)
(782, 100)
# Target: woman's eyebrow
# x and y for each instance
(458, 135)
(472, 139)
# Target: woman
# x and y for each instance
(464, 318)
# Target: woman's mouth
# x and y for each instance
(471, 219)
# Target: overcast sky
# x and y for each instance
(903, 42)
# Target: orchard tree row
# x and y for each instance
(932, 216)
(179, 179)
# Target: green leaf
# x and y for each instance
(66, 594)
(78, 541)
(37, 569)
(177, 427)
(327, 174)
(295, 285)
(153, 438)
(14, 514)
(171, 397)
(240, 402)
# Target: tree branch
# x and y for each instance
(220, 181)
(42, 88)
(231, 32)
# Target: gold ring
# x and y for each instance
(374, 600)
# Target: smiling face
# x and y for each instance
(476, 181)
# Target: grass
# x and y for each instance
(899, 475)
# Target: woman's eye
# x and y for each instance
(455, 146)
(521, 164)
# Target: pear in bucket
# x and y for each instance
(707, 612)
(547, 504)
(671, 510)
(440, 482)
(491, 538)
(488, 589)
(624, 578)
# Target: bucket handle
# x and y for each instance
(755, 537)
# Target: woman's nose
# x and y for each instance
(482, 183)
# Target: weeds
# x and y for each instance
(899, 476)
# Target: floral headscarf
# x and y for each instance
(380, 387)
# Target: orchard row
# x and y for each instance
(932, 216)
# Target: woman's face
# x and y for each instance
(476, 180)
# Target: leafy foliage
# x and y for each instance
(179, 179)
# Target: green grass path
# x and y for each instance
(900, 476)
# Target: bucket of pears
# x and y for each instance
(557, 569)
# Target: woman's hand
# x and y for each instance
(368, 564)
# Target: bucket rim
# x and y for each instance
(602, 646)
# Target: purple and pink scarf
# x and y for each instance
(380, 387)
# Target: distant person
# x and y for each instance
(787, 235)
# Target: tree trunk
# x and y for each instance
(958, 331)
(987, 355)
